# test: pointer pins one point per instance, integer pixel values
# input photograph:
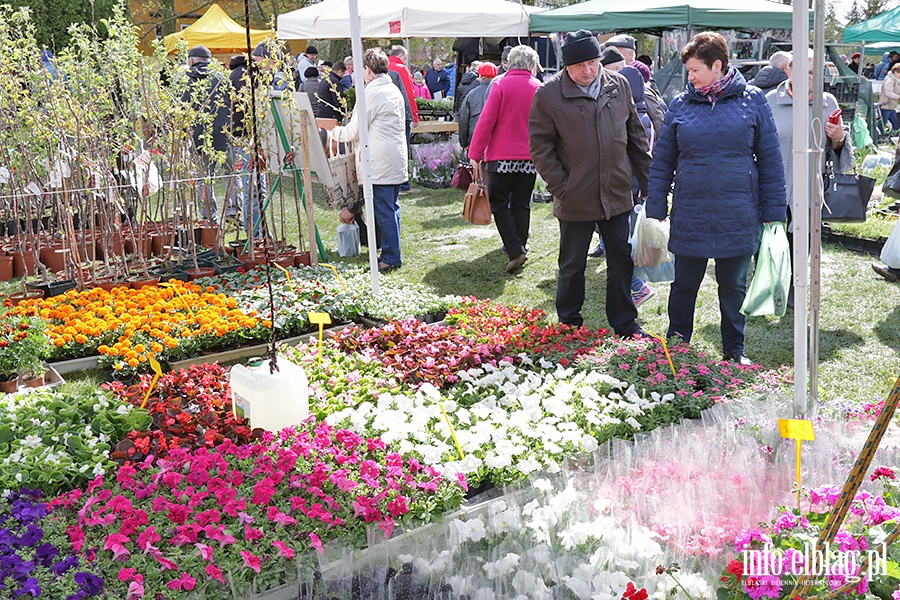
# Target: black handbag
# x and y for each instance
(891, 187)
(846, 196)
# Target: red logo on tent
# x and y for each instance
(394, 26)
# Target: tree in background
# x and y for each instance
(876, 7)
(854, 15)
(834, 29)
(52, 18)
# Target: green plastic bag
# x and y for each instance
(860, 132)
(767, 293)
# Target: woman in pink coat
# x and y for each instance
(500, 148)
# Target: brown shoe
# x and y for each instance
(516, 263)
(885, 272)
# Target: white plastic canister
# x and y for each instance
(271, 401)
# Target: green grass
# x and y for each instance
(859, 320)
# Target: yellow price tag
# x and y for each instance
(333, 268)
(796, 429)
(321, 319)
(286, 272)
(452, 432)
(665, 346)
(158, 373)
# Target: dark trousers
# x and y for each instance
(510, 196)
(574, 239)
(731, 278)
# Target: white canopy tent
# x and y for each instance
(330, 19)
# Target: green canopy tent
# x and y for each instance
(882, 28)
(658, 15)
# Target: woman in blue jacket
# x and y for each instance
(719, 146)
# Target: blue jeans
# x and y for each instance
(890, 116)
(241, 188)
(387, 213)
(731, 277)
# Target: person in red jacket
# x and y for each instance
(397, 62)
(501, 141)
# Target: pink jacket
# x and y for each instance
(502, 130)
(421, 91)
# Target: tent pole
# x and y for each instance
(408, 55)
(365, 174)
(816, 204)
(800, 202)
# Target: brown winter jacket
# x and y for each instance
(582, 147)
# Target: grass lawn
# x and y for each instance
(860, 315)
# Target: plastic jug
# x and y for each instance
(271, 401)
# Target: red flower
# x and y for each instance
(736, 568)
(632, 593)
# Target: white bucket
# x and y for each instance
(271, 401)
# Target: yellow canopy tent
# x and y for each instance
(218, 32)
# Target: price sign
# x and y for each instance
(321, 319)
(797, 430)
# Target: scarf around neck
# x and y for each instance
(715, 89)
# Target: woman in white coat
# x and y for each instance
(890, 96)
(387, 146)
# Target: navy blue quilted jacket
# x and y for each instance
(725, 161)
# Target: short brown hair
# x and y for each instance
(707, 47)
(376, 60)
(896, 68)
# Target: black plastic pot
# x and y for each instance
(53, 288)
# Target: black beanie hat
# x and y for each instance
(505, 55)
(199, 52)
(311, 72)
(579, 47)
(611, 55)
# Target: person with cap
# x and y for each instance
(387, 140)
(473, 104)
(720, 148)
(310, 84)
(420, 90)
(585, 130)
(438, 79)
(774, 73)
(304, 61)
(331, 93)
(854, 62)
(612, 60)
(625, 44)
(467, 83)
(207, 93)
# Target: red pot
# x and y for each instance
(6, 268)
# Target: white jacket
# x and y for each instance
(890, 92)
(387, 132)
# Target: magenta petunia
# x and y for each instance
(283, 550)
(251, 561)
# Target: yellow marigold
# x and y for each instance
(81, 339)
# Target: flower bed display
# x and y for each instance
(237, 519)
(191, 409)
(54, 441)
(126, 327)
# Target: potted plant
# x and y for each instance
(23, 346)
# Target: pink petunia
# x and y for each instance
(206, 552)
(283, 550)
(316, 542)
(115, 542)
(251, 561)
(214, 572)
(135, 590)
(185, 582)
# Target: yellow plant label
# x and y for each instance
(796, 429)
(319, 318)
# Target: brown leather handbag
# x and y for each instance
(477, 207)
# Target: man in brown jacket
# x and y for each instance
(586, 139)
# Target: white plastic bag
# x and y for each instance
(348, 239)
(890, 253)
(650, 240)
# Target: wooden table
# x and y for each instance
(435, 127)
